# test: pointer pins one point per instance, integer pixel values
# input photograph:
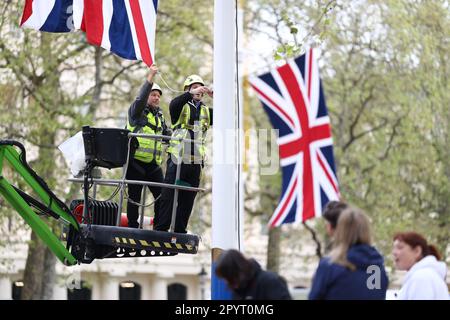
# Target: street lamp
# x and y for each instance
(202, 277)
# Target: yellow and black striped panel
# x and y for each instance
(154, 244)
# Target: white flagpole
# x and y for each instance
(225, 184)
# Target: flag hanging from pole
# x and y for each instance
(293, 98)
(47, 15)
(125, 27)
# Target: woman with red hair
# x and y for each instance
(425, 279)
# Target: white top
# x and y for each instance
(425, 281)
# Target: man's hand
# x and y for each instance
(152, 71)
(210, 92)
(201, 90)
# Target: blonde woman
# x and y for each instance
(354, 269)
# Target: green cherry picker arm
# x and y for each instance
(54, 205)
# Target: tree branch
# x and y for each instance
(314, 237)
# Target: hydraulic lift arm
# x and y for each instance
(98, 235)
(21, 202)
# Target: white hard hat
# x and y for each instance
(193, 78)
(156, 87)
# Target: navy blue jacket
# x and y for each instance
(336, 282)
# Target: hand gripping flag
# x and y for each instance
(124, 27)
(293, 98)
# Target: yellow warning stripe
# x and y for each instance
(155, 244)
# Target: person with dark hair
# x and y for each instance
(354, 269)
(425, 279)
(247, 280)
(331, 214)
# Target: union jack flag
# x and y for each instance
(293, 98)
(124, 27)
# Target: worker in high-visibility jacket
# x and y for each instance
(191, 118)
(145, 116)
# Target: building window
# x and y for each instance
(177, 291)
(17, 290)
(84, 293)
(129, 290)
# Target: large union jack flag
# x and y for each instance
(124, 27)
(293, 98)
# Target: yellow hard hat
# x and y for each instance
(156, 87)
(193, 78)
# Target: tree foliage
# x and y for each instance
(385, 73)
(384, 67)
(53, 84)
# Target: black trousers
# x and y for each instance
(189, 173)
(138, 170)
